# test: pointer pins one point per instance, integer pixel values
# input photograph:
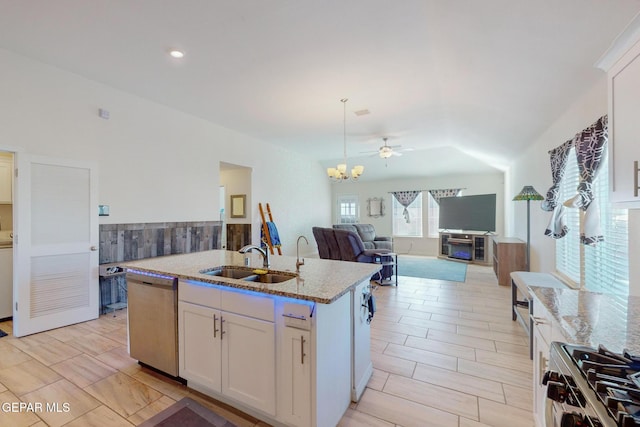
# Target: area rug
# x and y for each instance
(431, 268)
(187, 413)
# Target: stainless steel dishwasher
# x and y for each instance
(153, 320)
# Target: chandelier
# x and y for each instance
(339, 173)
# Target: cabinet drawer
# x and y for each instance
(248, 303)
(199, 293)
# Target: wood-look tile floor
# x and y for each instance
(444, 354)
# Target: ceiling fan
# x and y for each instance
(385, 151)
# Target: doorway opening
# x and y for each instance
(235, 210)
(6, 235)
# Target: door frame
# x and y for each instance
(14, 226)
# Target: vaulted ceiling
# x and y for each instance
(465, 84)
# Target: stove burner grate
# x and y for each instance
(615, 378)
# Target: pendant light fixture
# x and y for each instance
(339, 173)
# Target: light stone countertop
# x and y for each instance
(591, 318)
(320, 280)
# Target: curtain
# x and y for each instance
(590, 150)
(557, 227)
(439, 194)
(405, 198)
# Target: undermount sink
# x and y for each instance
(270, 277)
(249, 274)
(230, 272)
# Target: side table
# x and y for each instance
(390, 260)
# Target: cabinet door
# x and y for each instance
(296, 374)
(624, 144)
(6, 181)
(540, 365)
(199, 345)
(248, 361)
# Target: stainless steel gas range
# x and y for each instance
(592, 387)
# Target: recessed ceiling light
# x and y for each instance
(175, 53)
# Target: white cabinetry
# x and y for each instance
(544, 332)
(6, 180)
(296, 375)
(6, 282)
(286, 361)
(200, 350)
(248, 361)
(622, 62)
(227, 351)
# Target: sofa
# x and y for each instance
(367, 233)
(346, 245)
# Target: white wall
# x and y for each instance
(472, 184)
(155, 163)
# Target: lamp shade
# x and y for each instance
(528, 193)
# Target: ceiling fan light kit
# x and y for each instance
(339, 173)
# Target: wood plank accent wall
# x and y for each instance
(238, 235)
(128, 242)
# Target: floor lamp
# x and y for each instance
(528, 193)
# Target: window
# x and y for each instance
(433, 215)
(605, 266)
(348, 210)
(400, 226)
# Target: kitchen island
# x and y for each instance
(293, 353)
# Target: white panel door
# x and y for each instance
(56, 240)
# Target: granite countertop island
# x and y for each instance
(591, 318)
(319, 280)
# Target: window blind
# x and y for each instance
(605, 266)
(400, 226)
(568, 258)
(607, 263)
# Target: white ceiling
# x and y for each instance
(470, 81)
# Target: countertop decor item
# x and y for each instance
(339, 173)
(528, 193)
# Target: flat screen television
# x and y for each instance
(472, 213)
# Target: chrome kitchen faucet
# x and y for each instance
(266, 262)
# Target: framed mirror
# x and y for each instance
(375, 207)
(238, 206)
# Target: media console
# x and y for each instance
(465, 247)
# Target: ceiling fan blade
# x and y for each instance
(395, 153)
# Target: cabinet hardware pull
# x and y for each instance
(215, 325)
(302, 349)
(294, 316)
(635, 178)
(222, 332)
(539, 320)
(543, 366)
